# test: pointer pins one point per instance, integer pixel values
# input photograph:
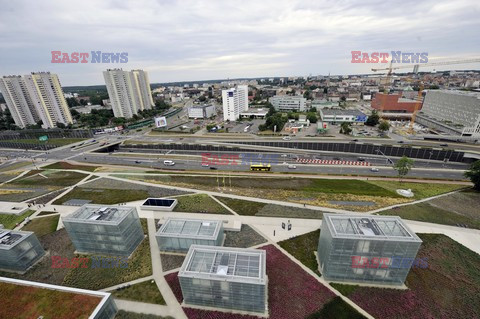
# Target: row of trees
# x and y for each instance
(274, 120)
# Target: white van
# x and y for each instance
(168, 163)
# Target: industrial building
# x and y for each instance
(235, 101)
(394, 103)
(180, 234)
(19, 250)
(201, 111)
(97, 229)
(366, 249)
(340, 115)
(452, 111)
(288, 103)
(228, 278)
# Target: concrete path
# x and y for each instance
(133, 282)
(146, 308)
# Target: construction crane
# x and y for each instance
(415, 70)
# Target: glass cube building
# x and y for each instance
(221, 277)
(180, 234)
(104, 230)
(19, 250)
(366, 249)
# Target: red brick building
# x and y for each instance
(394, 103)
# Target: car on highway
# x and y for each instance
(361, 159)
(374, 169)
(336, 158)
(291, 166)
(400, 142)
(286, 138)
(355, 140)
(214, 168)
(137, 162)
(168, 163)
(444, 145)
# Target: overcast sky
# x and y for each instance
(201, 40)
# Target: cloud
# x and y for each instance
(195, 40)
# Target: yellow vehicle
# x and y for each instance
(260, 167)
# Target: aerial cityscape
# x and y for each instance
(239, 160)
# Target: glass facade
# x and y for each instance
(112, 231)
(366, 249)
(229, 278)
(19, 250)
(108, 310)
(180, 234)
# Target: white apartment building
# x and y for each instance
(288, 103)
(235, 101)
(18, 101)
(129, 91)
(34, 97)
(201, 111)
(454, 108)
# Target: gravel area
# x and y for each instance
(246, 237)
(170, 261)
(108, 183)
(463, 203)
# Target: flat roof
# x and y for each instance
(190, 228)
(368, 226)
(10, 238)
(225, 264)
(99, 214)
(341, 112)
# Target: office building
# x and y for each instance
(201, 111)
(366, 249)
(235, 101)
(30, 299)
(35, 97)
(341, 115)
(288, 103)
(97, 229)
(229, 278)
(394, 103)
(457, 110)
(129, 91)
(19, 250)
(180, 234)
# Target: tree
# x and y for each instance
(373, 119)
(202, 98)
(384, 126)
(403, 166)
(61, 125)
(345, 128)
(312, 117)
(474, 174)
(313, 109)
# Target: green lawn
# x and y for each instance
(9, 221)
(425, 212)
(51, 141)
(345, 186)
(52, 178)
(199, 203)
(242, 207)
(42, 226)
(303, 248)
(66, 165)
(144, 292)
(420, 190)
(45, 212)
(103, 196)
(337, 309)
(139, 266)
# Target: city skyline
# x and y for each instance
(173, 41)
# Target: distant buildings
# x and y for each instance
(341, 115)
(456, 110)
(201, 111)
(221, 277)
(129, 91)
(235, 101)
(394, 103)
(180, 234)
(367, 249)
(36, 97)
(288, 103)
(108, 230)
(19, 250)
